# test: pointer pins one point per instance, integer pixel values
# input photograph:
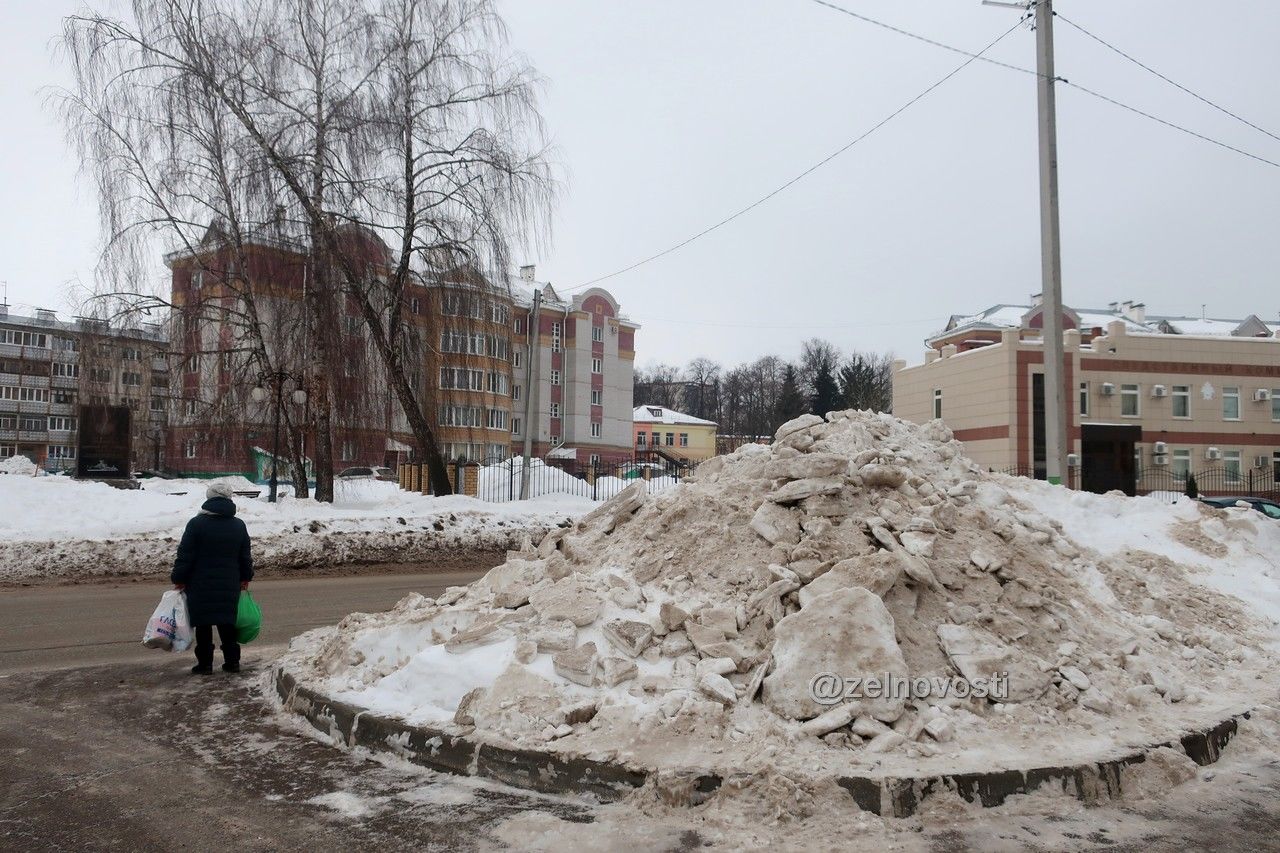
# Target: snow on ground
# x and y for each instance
(60, 526)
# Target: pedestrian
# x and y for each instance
(213, 565)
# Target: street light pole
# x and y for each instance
(275, 441)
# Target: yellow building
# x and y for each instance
(674, 435)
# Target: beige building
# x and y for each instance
(1151, 399)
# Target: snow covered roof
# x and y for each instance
(563, 453)
(1005, 316)
(663, 415)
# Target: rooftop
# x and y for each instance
(663, 415)
(48, 320)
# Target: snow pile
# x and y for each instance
(19, 465)
(686, 629)
(57, 526)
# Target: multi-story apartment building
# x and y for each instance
(581, 361)
(49, 367)
(1155, 397)
(467, 349)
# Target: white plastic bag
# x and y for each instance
(169, 627)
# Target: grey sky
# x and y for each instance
(670, 114)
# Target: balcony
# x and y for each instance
(8, 435)
(62, 408)
(32, 435)
(64, 382)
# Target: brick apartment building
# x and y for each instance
(467, 352)
(1151, 398)
(585, 358)
(49, 367)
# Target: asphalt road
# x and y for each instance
(69, 626)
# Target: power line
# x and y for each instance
(1175, 126)
(802, 326)
(972, 57)
(1173, 83)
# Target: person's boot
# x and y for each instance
(231, 667)
(202, 669)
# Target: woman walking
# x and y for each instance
(212, 567)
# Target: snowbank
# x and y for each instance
(18, 465)
(59, 526)
(685, 630)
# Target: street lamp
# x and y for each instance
(260, 395)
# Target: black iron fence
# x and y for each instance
(1214, 481)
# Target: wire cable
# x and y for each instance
(972, 57)
(1171, 82)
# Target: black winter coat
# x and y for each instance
(213, 560)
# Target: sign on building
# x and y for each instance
(103, 451)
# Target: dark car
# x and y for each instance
(1269, 508)
(372, 472)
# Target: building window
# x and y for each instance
(1182, 401)
(68, 371)
(596, 395)
(641, 438)
(555, 336)
(684, 439)
(671, 439)
(937, 403)
(496, 383)
(128, 378)
(555, 410)
(1129, 401)
(415, 305)
(499, 313)
(597, 334)
(1181, 467)
(1275, 465)
(519, 358)
(1231, 465)
(189, 449)
(555, 440)
(1231, 403)
(597, 365)
(24, 339)
(515, 426)
(31, 423)
(515, 392)
(191, 365)
(157, 404)
(1084, 399)
(131, 354)
(518, 326)
(351, 324)
(1275, 404)
(348, 450)
(24, 395)
(191, 407)
(594, 459)
(595, 430)
(62, 424)
(64, 398)
(60, 451)
(99, 374)
(555, 377)
(497, 419)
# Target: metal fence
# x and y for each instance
(500, 480)
(1215, 481)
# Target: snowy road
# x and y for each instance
(67, 626)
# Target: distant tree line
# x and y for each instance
(754, 398)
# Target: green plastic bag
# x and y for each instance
(248, 618)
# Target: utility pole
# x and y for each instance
(1055, 420)
(533, 336)
(1055, 413)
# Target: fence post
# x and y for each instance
(592, 476)
(511, 479)
(1251, 494)
(471, 479)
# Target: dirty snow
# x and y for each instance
(680, 630)
(55, 526)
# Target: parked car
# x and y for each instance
(372, 472)
(1269, 508)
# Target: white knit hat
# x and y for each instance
(218, 490)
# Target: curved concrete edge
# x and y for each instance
(609, 781)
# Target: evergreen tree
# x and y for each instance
(791, 401)
(826, 392)
(1193, 490)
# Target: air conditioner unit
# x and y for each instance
(1160, 459)
(1159, 447)
(613, 330)
(1159, 391)
(1073, 460)
(1108, 389)
(1212, 453)
(1261, 395)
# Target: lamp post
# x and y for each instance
(260, 395)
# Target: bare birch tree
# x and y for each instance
(405, 120)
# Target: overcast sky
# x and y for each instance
(668, 115)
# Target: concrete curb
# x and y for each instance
(608, 781)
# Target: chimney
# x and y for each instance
(1037, 299)
(4, 309)
(526, 272)
(44, 315)
(1135, 311)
